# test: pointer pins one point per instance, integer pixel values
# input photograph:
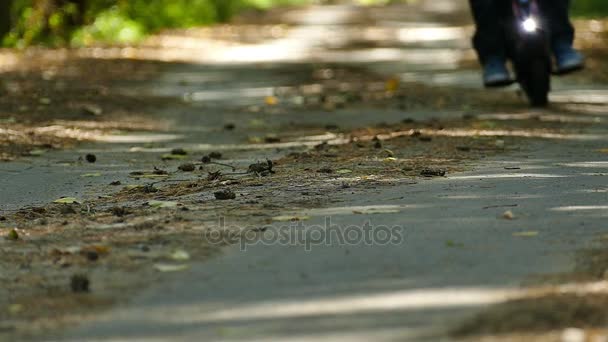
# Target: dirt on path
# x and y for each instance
(256, 142)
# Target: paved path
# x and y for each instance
(457, 254)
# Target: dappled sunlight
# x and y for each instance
(238, 95)
(603, 208)
(508, 175)
(362, 210)
(429, 34)
(406, 300)
(136, 138)
(591, 96)
(469, 132)
(589, 164)
(542, 117)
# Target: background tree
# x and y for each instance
(5, 17)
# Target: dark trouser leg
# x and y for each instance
(489, 39)
(562, 31)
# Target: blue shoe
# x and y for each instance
(567, 59)
(495, 73)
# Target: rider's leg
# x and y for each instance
(562, 36)
(489, 41)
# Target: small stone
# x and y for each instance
(116, 183)
(80, 283)
(225, 195)
(91, 158)
(188, 167)
(508, 215)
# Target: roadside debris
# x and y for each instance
(433, 173)
(213, 176)
(119, 211)
(262, 168)
(187, 167)
(225, 195)
(179, 152)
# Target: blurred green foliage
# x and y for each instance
(85, 22)
(60, 22)
(591, 8)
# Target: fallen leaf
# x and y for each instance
(170, 267)
(452, 244)
(91, 175)
(15, 309)
(13, 235)
(271, 100)
(37, 152)
(526, 234)
(66, 200)
(163, 204)
(392, 84)
(344, 171)
(180, 255)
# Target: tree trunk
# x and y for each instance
(5, 17)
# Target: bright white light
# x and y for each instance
(530, 25)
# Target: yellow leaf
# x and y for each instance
(392, 84)
(271, 101)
